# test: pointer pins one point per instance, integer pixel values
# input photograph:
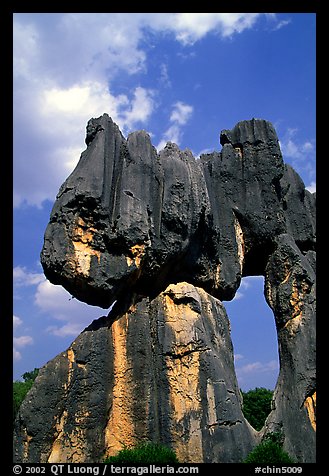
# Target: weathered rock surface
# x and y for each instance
(125, 218)
(127, 224)
(163, 372)
(291, 293)
(131, 220)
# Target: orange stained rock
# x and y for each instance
(240, 242)
(310, 405)
(120, 430)
(137, 252)
(183, 374)
(82, 238)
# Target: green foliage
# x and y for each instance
(276, 437)
(20, 389)
(257, 406)
(269, 451)
(148, 453)
(30, 376)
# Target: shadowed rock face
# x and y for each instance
(131, 220)
(128, 224)
(290, 285)
(162, 372)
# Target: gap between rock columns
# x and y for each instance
(127, 224)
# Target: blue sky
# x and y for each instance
(182, 77)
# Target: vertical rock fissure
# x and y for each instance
(157, 225)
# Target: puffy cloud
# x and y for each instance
(21, 341)
(17, 321)
(238, 357)
(23, 277)
(300, 153)
(61, 79)
(191, 27)
(139, 110)
(257, 367)
(257, 374)
(281, 24)
(293, 148)
(246, 283)
(88, 45)
(66, 330)
(56, 303)
(312, 187)
(49, 143)
(51, 298)
(16, 355)
(64, 68)
(180, 115)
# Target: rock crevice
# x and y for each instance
(167, 237)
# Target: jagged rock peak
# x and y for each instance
(252, 132)
(167, 236)
(130, 219)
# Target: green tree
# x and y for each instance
(32, 375)
(269, 451)
(20, 389)
(144, 453)
(257, 406)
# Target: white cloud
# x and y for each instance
(70, 329)
(17, 321)
(180, 115)
(300, 153)
(293, 148)
(164, 76)
(23, 277)
(88, 44)
(172, 134)
(191, 27)
(26, 49)
(238, 357)
(62, 79)
(139, 110)
(51, 298)
(257, 368)
(281, 24)
(21, 341)
(16, 355)
(53, 303)
(312, 187)
(52, 139)
(72, 100)
(56, 303)
(245, 284)
(64, 68)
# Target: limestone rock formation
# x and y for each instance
(130, 220)
(291, 293)
(167, 236)
(163, 371)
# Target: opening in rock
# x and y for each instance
(254, 336)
